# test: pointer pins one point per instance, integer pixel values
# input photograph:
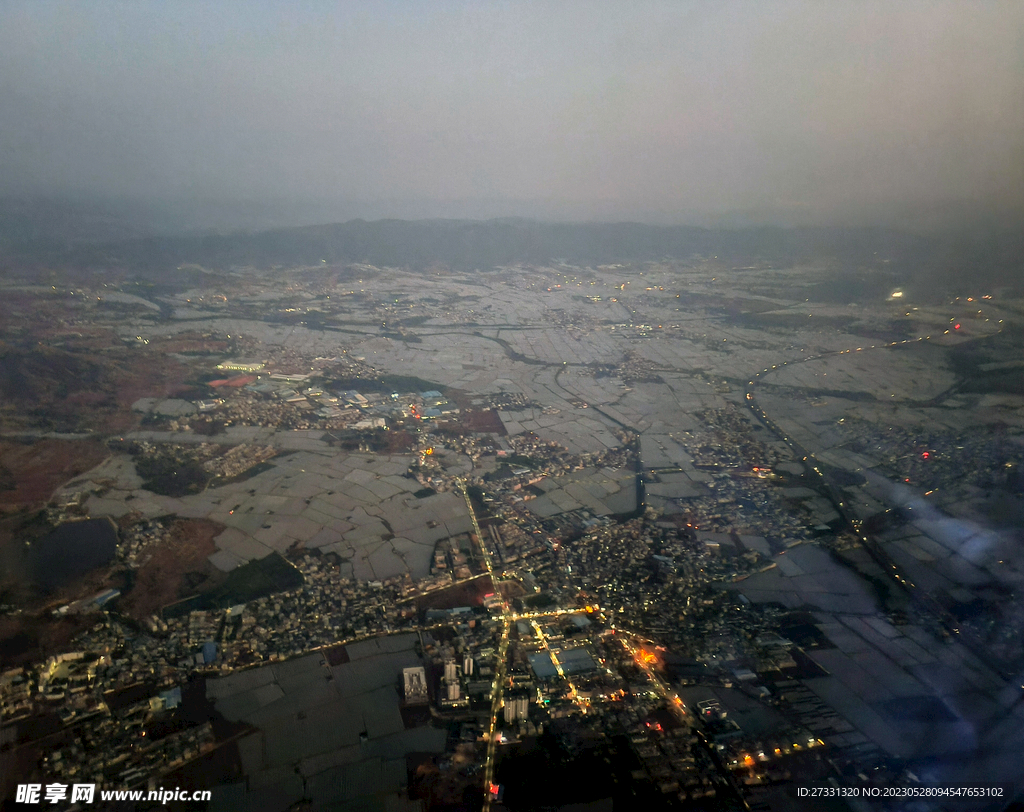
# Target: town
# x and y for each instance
(402, 533)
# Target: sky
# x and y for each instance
(676, 112)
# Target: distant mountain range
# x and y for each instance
(481, 245)
(997, 256)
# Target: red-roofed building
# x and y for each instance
(241, 380)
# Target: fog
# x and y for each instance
(726, 113)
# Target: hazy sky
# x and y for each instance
(664, 112)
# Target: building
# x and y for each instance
(517, 708)
(415, 683)
(291, 377)
(106, 597)
(242, 365)
(370, 423)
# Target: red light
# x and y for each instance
(925, 455)
(956, 326)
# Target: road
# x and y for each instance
(497, 687)
(925, 602)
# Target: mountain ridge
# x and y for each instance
(477, 245)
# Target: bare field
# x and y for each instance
(81, 388)
(27, 639)
(468, 593)
(483, 421)
(37, 469)
(177, 567)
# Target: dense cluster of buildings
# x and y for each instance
(282, 400)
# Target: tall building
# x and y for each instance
(453, 691)
(467, 666)
(517, 708)
(415, 683)
(522, 707)
(451, 672)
